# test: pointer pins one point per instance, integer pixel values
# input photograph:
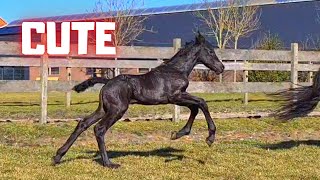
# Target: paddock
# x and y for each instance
(136, 57)
(249, 143)
(259, 149)
(38, 111)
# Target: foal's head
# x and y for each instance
(207, 56)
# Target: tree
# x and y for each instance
(218, 22)
(269, 42)
(245, 20)
(230, 21)
(312, 42)
(128, 27)
(316, 41)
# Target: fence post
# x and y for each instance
(235, 73)
(116, 70)
(44, 82)
(245, 80)
(294, 65)
(310, 75)
(68, 93)
(176, 111)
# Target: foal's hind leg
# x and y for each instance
(187, 128)
(82, 126)
(113, 115)
(187, 99)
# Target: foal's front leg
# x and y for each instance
(82, 126)
(187, 99)
(187, 128)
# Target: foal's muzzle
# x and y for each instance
(219, 69)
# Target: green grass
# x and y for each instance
(26, 105)
(245, 149)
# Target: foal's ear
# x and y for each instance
(200, 39)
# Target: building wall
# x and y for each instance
(292, 22)
(77, 74)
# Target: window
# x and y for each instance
(14, 73)
(8, 73)
(19, 73)
(54, 71)
(90, 71)
(143, 70)
(1, 73)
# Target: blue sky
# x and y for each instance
(17, 9)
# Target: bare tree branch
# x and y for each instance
(245, 20)
(128, 27)
(217, 21)
(230, 21)
(312, 42)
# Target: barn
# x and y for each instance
(292, 20)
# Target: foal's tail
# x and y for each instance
(300, 101)
(89, 83)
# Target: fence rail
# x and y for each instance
(194, 87)
(99, 63)
(150, 57)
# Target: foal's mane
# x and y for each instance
(183, 51)
(186, 49)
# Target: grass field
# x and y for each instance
(26, 105)
(245, 149)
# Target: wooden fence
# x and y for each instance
(150, 57)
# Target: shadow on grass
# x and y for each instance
(241, 99)
(169, 153)
(57, 103)
(290, 144)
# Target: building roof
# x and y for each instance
(151, 11)
(292, 22)
(14, 28)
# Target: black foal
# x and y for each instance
(166, 84)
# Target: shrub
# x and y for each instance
(269, 42)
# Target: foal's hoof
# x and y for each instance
(210, 140)
(112, 166)
(56, 160)
(174, 135)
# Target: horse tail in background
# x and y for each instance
(299, 101)
(89, 83)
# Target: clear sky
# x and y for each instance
(17, 9)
